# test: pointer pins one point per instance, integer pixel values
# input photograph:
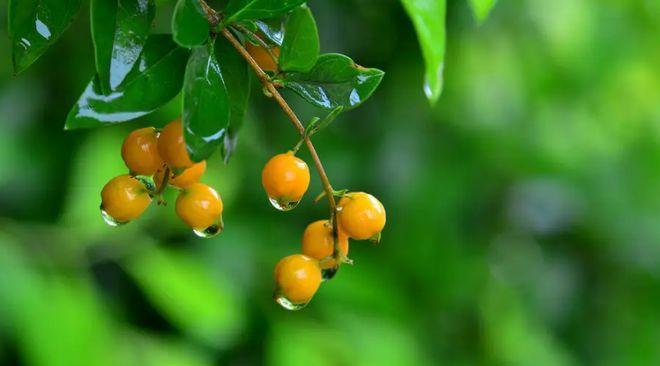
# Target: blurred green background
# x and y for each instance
(523, 210)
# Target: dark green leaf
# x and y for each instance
(157, 79)
(272, 29)
(300, 48)
(206, 106)
(235, 72)
(120, 28)
(317, 124)
(258, 9)
(428, 17)
(481, 8)
(334, 81)
(190, 26)
(34, 25)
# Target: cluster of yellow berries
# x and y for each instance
(156, 161)
(360, 216)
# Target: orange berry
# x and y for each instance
(183, 180)
(172, 146)
(318, 242)
(297, 278)
(199, 206)
(285, 179)
(124, 198)
(140, 151)
(361, 215)
(262, 57)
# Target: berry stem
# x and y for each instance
(262, 43)
(265, 80)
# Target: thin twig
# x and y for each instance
(263, 43)
(265, 80)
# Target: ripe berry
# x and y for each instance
(140, 151)
(361, 215)
(285, 179)
(297, 278)
(200, 207)
(123, 199)
(262, 57)
(172, 146)
(185, 178)
(318, 243)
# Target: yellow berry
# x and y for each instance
(140, 151)
(262, 57)
(297, 278)
(172, 146)
(185, 178)
(285, 179)
(361, 215)
(199, 206)
(318, 242)
(124, 198)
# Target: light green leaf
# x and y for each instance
(190, 26)
(481, 8)
(34, 25)
(428, 17)
(206, 106)
(300, 48)
(185, 291)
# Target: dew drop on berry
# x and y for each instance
(111, 221)
(287, 304)
(329, 273)
(210, 231)
(283, 205)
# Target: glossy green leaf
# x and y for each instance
(481, 8)
(428, 17)
(156, 79)
(236, 73)
(190, 27)
(34, 25)
(272, 29)
(188, 294)
(334, 81)
(300, 47)
(120, 29)
(258, 9)
(206, 107)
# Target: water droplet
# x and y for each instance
(287, 304)
(329, 273)
(282, 204)
(111, 221)
(210, 231)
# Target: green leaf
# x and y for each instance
(334, 81)
(236, 73)
(157, 79)
(188, 294)
(272, 28)
(120, 29)
(206, 106)
(481, 8)
(257, 9)
(300, 48)
(190, 27)
(428, 17)
(34, 25)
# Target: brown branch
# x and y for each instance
(272, 89)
